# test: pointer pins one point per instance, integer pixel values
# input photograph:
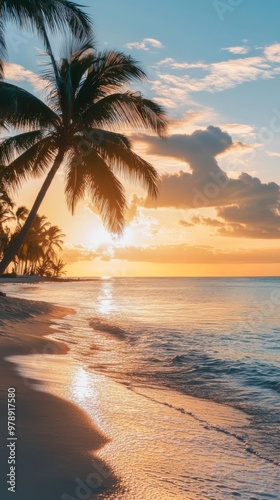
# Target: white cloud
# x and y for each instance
(272, 52)
(182, 65)
(16, 72)
(237, 49)
(146, 44)
(172, 88)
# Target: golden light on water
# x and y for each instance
(81, 387)
(105, 299)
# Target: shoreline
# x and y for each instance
(40, 279)
(56, 439)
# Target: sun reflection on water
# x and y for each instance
(81, 387)
(105, 299)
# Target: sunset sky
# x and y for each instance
(215, 66)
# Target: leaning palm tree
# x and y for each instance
(40, 15)
(87, 102)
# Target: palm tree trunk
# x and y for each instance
(13, 249)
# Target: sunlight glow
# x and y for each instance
(105, 299)
(81, 387)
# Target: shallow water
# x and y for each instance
(141, 347)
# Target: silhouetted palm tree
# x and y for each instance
(87, 101)
(21, 216)
(57, 266)
(4, 197)
(40, 15)
(6, 216)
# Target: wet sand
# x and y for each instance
(56, 440)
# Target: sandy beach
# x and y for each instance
(55, 439)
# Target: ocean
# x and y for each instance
(183, 376)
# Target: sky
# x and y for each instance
(215, 67)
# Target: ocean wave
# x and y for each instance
(204, 366)
(100, 325)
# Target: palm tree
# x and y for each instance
(21, 215)
(57, 266)
(50, 241)
(4, 197)
(35, 242)
(38, 254)
(39, 15)
(6, 215)
(87, 101)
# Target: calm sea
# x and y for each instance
(196, 359)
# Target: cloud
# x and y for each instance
(78, 253)
(186, 223)
(190, 119)
(246, 206)
(133, 208)
(241, 129)
(146, 44)
(216, 77)
(272, 52)
(237, 49)
(220, 76)
(180, 253)
(251, 220)
(254, 223)
(198, 219)
(172, 63)
(273, 154)
(187, 254)
(16, 72)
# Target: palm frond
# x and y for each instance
(110, 71)
(55, 14)
(21, 109)
(13, 146)
(30, 164)
(66, 14)
(91, 175)
(129, 109)
(115, 149)
(64, 77)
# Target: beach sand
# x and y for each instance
(55, 439)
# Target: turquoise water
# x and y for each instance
(217, 339)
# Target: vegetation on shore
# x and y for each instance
(39, 255)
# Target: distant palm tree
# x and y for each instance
(21, 216)
(32, 250)
(57, 266)
(6, 216)
(40, 15)
(87, 101)
(5, 199)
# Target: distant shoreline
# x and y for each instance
(40, 279)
